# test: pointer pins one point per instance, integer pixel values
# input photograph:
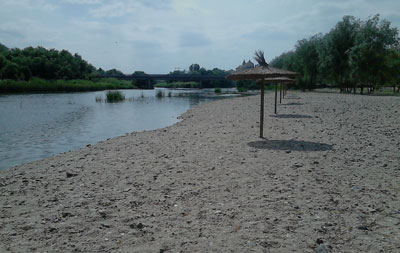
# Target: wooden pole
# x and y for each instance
(262, 111)
(280, 94)
(276, 95)
(286, 89)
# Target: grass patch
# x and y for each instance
(114, 96)
(242, 89)
(160, 94)
(40, 85)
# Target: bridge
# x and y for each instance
(150, 78)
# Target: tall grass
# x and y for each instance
(160, 94)
(218, 90)
(114, 96)
(40, 85)
(241, 89)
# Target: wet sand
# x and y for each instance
(326, 175)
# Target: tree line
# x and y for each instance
(195, 69)
(354, 54)
(23, 64)
(50, 64)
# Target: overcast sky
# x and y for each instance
(158, 36)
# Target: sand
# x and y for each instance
(326, 177)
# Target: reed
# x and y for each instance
(160, 94)
(41, 85)
(114, 96)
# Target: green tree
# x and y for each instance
(367, 57)
(11, 71)
(194, 67)
(334, 51)
(308, 58)
(392, 67)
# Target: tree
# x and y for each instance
(10, 71)
(194, 67)
(392, 69)
(3, 48)
(43, 63)
(308, 58)
(373, 41)
(334, 51)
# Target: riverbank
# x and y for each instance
(326, 174)
(37, 85)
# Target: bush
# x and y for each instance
(217, 90)
(160, 94)
(114, 96)
(241, 89)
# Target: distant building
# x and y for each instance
(245, 65)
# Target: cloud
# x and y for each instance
(115, 9)
(8, 34)
(157, 4)
(119, 8)
(159, 35)
(83, 2)
(193, 39)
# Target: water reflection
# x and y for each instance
(35, 126)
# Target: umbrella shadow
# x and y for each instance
(292, 104)
(291, 116)
(291, 145)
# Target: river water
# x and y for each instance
(35, 126)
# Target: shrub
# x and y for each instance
(241, 89)
(217, 90)
(160, 94)
(114, 96)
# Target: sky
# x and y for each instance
(159, 36)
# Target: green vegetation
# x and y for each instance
(160, 94)
(355, 55)
(17, 64)
(195, 69)
(178, 85)
(42, 70)
(241, 89)
(218, 90)
(245, 85)
(114, 96)
(40, 85)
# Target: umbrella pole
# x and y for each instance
(276, 95)
(280, 94)
(286, 90)
(262, 111)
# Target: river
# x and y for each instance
(36, 126)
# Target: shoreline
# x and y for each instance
(326, 170)
(30, 146)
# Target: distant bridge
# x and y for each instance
(150, 78)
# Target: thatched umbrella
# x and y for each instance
(281, 80)
(260, 72)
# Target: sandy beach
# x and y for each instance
(325, 177)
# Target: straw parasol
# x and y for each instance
(281, 80)
(260, 72)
